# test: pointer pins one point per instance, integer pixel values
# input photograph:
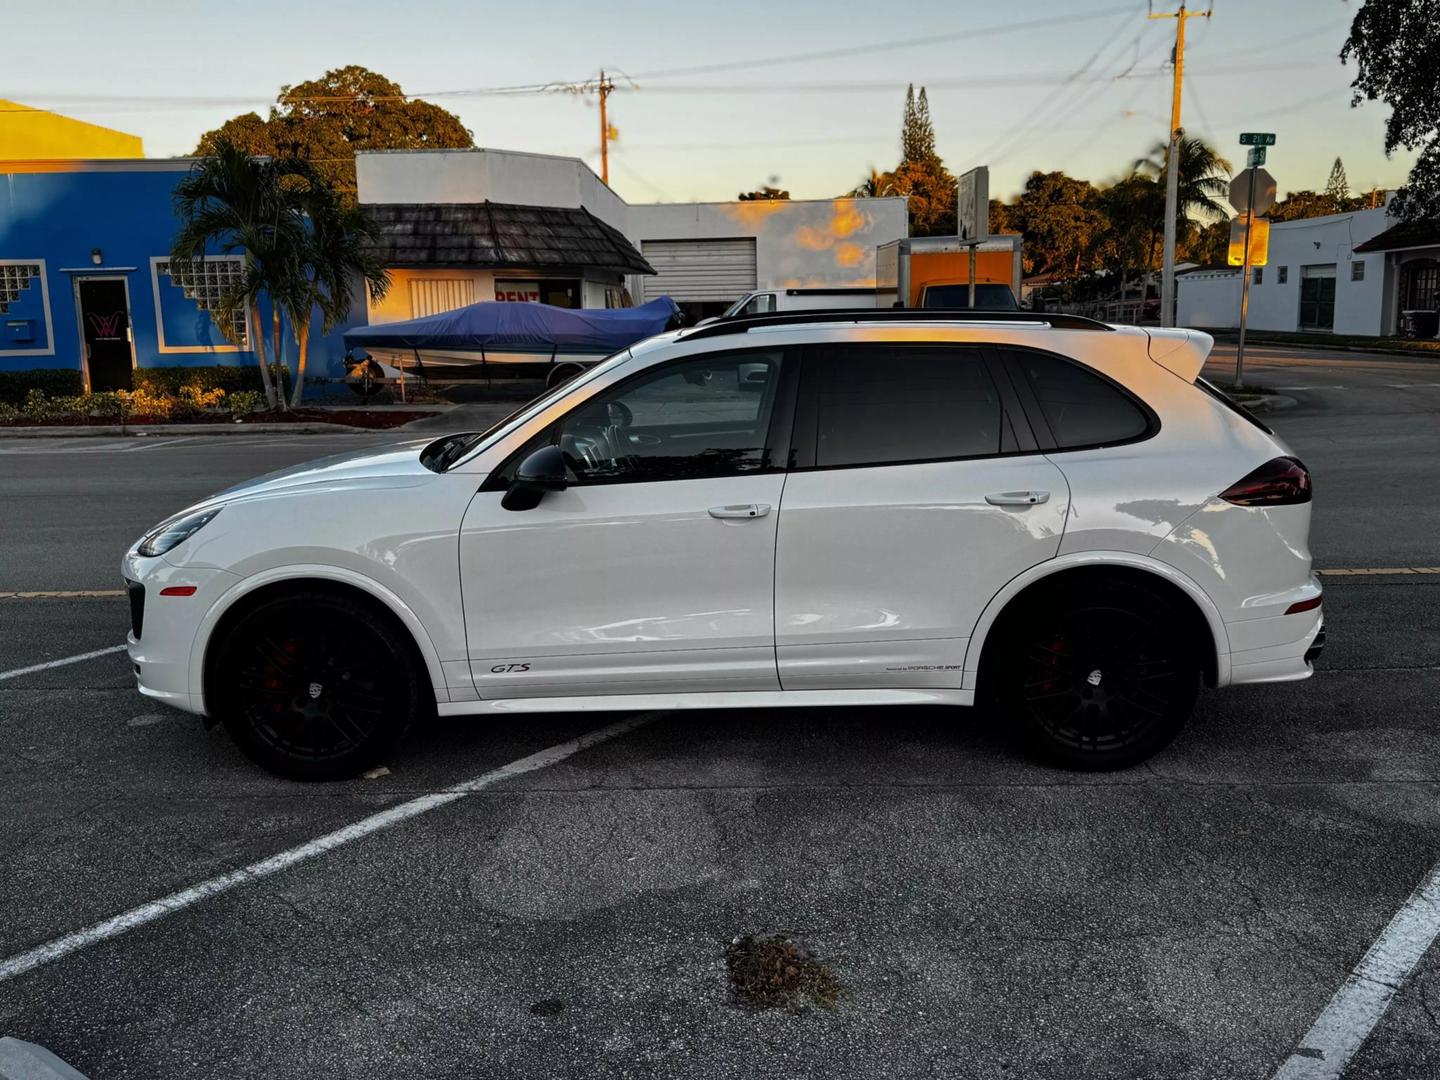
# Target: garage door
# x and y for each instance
(700, 270)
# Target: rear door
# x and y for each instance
(916, 492)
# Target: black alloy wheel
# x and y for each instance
(316, 686)
(1099, 675)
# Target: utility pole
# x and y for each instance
(605, 87)
(1172, 157)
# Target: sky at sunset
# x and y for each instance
(719, 98)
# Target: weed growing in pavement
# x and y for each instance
(773, 971)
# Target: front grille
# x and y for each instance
(137, 607)
(1316, 647)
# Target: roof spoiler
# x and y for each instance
(1182, 352)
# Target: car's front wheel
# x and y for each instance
(315, 685)
(1099, 674)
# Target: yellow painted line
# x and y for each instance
(63, 594)
(1379, 571)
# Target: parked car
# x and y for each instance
(1052, 515)
(770, 301)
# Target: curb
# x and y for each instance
(132, 431)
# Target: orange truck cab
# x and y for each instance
(917, 271)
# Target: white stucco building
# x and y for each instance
(705, 255)
(1353, 273)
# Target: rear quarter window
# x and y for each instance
(1081, 408)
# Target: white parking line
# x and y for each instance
(1344, 1025)
(178, 901)
(15, 673)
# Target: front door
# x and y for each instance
(915, 502)
(105, 332)
(1317, 297)
(654, 570)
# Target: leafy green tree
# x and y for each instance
(1061, 222)
(1394, 46)
(1211, 246)
(764, 194)
(326, 120)
(1134, 210)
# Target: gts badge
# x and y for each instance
(509, 669)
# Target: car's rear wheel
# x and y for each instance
(315, 686)
(1098, 675)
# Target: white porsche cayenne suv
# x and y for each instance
(1049, 515)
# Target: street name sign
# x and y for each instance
(1256, 157)
(1253, 190)
(1257, 138)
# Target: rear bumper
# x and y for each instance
(1286, 662)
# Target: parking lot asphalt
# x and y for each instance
(986, 915)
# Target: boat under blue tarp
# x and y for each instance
(522, 327)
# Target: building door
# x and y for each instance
(104, 306)
(703, 276)
(1317, 297)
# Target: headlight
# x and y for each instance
(175, 532)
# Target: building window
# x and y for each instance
(1282, 275)
(208, 282)
(1357, 270)
(1259, 274)
(431, 296)
(15, 278)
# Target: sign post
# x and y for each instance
(1252, 193)
(972, 214)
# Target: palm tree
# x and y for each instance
(1204, 177)
(303, 248)
(334, 254)
(233, 202)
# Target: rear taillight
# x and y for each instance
(1283, 481)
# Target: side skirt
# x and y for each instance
(733, 699)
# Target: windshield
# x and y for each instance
(988, 297)
(448, 451)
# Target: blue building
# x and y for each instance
(86, 283)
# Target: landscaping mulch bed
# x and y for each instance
(379, 419)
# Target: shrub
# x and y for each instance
(107, 403)
(9, 414)
(194, 399)
(55, 382)
(146, 403)
(243, 402)
(170, 380)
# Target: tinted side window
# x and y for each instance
(705, 417)
(889, 404)
(1081, 408)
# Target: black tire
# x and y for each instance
(1097, 674)
(316, 686)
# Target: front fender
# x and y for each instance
(300, 572)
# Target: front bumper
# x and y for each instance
(164, 628)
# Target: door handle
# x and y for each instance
(743, 510)
(1017, 498)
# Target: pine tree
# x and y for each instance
(910, 144)
(925, 133)
(1337, 190)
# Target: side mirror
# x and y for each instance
(544, 470)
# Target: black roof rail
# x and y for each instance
(741, 324)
